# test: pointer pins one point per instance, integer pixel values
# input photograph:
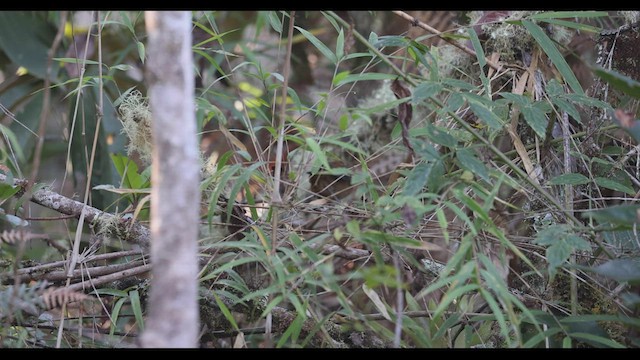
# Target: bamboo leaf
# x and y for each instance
(318, 44)
(134, 298)
(613, 185)
(569, 179)
(377, 302)
(554, 55)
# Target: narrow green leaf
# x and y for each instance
(482, 61)
(613, 185)
(377, 302)
(597, 339)
(539, 337)
(618, 215)
(315, 148)
(469, 161)
(134, 298)
(554, 55)
(340, 45)
(619, 81)
(225, 311)
(344, 145)
(319, 45)
(568, 14)
(391, 40)
(573, 25)
(621, 270)
(275, 22)
(76, 61)
(141, 51)
(569, 179)
(115, 314)
(240, 182)
(451, 295)
(366, 76)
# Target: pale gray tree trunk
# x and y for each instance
(173, 319)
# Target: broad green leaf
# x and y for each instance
(613, 185)
(417, 179)
(440, 136)
(536, 119)
(567, 107)
(7, 191)
(373, 38)
(275, 22)
(340, 77)
(619, 81)
(470, 162)
(517, 99)
(128, 170)
(26, 39)
(621, 270)
(141, 51)
(425, 90)
(436, 177)
(318, 44)
(561, 242)
(618, 215)
(484, 113)
(554, 55)
(569, 179)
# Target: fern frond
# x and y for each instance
(55, 297)
(16, 235)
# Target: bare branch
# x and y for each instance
(136, 233)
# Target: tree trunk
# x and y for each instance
(173, 319)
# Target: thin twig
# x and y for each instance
(76, 245)
(424, 26)
(83, 271)
(86, 284)
(46, 99)
(568, 203)
(56, 264)
(399, 300)
(276, 197)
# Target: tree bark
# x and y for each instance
(173, 319)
